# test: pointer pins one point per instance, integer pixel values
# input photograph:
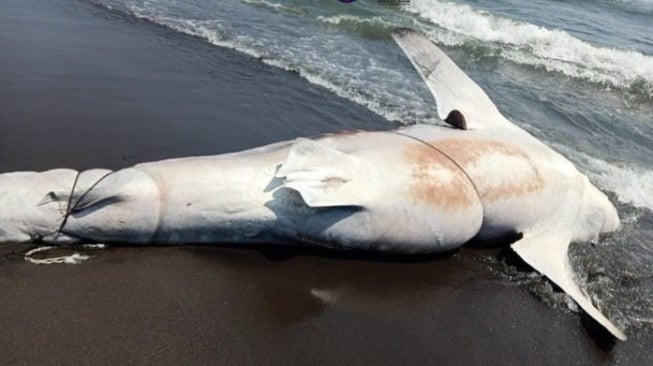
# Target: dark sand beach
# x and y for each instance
(83, 87)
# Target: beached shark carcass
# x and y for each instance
(418, 189)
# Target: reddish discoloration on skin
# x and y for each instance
(468, 152)
(427, 187)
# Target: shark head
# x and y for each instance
(597, 214)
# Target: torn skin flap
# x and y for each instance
(323, 176)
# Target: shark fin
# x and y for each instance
(322, 175)
(460, 101)
(548, 255)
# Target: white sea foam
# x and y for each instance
(525, 43)
(272, 5)
(354, 21)
(632, 183)
(350, 82)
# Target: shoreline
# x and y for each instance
(84, 88)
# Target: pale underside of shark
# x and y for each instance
(418, 189)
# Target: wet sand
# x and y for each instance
(83, 87)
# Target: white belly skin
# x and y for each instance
(405, 195)
(415, 200)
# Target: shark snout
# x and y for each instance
(611, 221)
(597, 214)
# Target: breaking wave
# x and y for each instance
(273, 5)
(551, 49)
(632, 183)
(371, 27)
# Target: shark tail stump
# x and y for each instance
(420, 189)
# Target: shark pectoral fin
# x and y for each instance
(548, 255)
(460, 101)
(322, 175)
